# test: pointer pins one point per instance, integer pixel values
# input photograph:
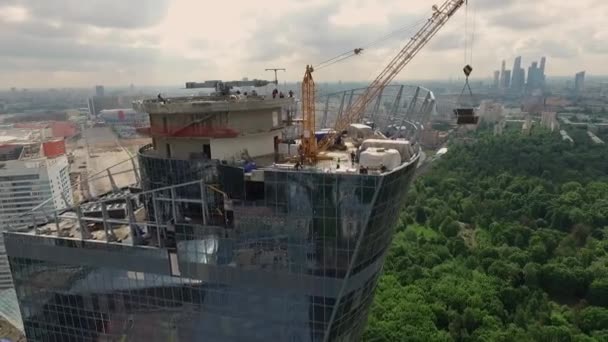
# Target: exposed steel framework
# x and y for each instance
(355, 112)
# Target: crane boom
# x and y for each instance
(355, 113)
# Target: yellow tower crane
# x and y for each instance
(310, 147)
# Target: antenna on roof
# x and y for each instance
(276, 79)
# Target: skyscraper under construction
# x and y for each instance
(225, 237)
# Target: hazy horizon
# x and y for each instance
(69, 43)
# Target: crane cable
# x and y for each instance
(473, 33)
(466, 32)
(468, 53)
(350, 53)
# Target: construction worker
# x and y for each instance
(353, 155)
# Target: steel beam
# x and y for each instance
(325, 112)
(412, 105)
(341, 108)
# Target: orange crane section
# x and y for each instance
(355, 113)
(309, 140)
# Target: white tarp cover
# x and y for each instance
(374, 158)
(403, 146)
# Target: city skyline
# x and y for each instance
(518, 80)
(48, 46)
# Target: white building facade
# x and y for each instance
(24, 184)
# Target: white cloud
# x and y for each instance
(79, 43)
(13, 14)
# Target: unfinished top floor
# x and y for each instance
(216, 116)
(20, 152)
(210, 104)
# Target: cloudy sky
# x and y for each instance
(65, 43)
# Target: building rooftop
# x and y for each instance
(11, 135)
(212, 103)
(10, 152)
(26, 151)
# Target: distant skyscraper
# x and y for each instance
(99, 90)
(496, 79)
(507, 79)
(543, 62)
(518, 79)
(579, 83)
(502, 73)
(534, 77)
(517, 64)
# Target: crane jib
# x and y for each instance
(438, 19)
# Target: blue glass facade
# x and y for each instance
(298, 263)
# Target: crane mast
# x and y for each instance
(309, 140)
(355, 113)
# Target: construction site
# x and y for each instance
(98, 149)
(246, 216)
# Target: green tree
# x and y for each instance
(531, 274)
(598, 292)
(449, 227)
(505, 239)
(593, 318)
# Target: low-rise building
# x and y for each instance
(549, 120)
(490, 111)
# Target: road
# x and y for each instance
(98, 150)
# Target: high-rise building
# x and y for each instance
(517, 63)
(521, 79)
(502, 74)
(534, 77)
(518, 79)
(579, 83)
(496, 83)
(543, 61)
(543, 77)
(30, 173)
(223, 239)
(99, 90)
(507, 79)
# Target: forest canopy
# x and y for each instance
(504, 239)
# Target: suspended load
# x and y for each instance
(465, 115)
